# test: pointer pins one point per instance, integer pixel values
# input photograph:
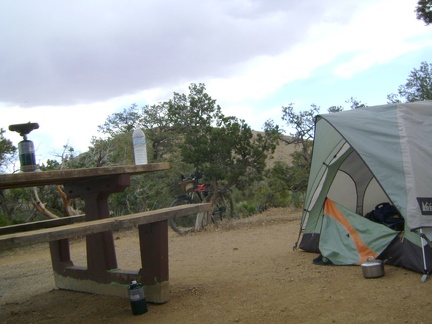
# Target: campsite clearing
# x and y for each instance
(244, 273)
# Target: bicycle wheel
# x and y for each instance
(224, 209)
(184, 224)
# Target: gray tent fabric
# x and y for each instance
(416, 146)
(367, 156)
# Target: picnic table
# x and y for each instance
(101, 275)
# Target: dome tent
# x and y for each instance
(361, 158)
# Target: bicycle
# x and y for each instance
(196, 193)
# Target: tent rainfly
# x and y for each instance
(361, 158)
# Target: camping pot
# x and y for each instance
(372, 268)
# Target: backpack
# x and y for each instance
(388, 215)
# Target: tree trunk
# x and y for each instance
(203, 218)
(201, 221)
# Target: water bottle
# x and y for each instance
(140, 146)
(137, 299)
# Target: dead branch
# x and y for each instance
(69, 210)
(40, 206)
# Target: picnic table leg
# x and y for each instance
(60, 255)
(101, 258)
(101, 254)
(154, 273)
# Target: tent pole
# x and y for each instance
(423, 243)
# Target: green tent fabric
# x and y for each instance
(364, 157)
(349, 239)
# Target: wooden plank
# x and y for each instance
(107, 224)
(34, 179)
(47, 223)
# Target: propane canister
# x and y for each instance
(27, 155)
(137, 299)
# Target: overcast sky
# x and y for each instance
(68, 65)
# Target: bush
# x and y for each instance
(4, 221)
(245, 209)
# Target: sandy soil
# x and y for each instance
(246, 272)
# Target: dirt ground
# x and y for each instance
(246, 272)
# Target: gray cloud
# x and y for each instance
(63, 53)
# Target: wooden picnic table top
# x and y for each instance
(34, 179)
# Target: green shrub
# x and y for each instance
(245, 209)
(4, 221)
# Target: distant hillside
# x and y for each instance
(283, 152)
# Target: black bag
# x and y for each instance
(387, 215)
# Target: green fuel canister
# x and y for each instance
(27, 156)
(137, 298)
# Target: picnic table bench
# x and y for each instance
(101, 275)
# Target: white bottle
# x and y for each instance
(140, 146)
